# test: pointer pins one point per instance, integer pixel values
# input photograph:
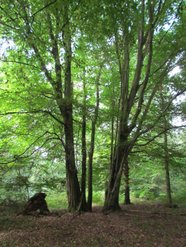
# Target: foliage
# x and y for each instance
(35, 96)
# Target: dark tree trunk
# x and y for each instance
(166, 165)
(131, 113)
(168, 184)
(121, 145)
(112, 200)
(112, 192)
(166, 157)
(83, 206)
(92, 144)
(73, 188)
(64, 99)
(90, 161)
(127, 184)
(83, 203)
(113, 188)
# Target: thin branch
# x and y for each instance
(54, 117)
(147, 72)
(56, 56)
(146, 108)
(58, 138)
(32, 112)
(175, 21)
(163, 113)
(168, 60)
(18, 62)
(159, 134)
(138, 133)
(7, 25)
(21, 156)
(10, 18)
(33, 143)
(140, 59)
(41, 9)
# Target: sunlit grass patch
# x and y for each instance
(98, 198)
(57, 200)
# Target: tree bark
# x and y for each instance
(92, 144)
(64, 102)
(127, 183)
(113, 187)
(83, 203)
(131, 99)
(167, 174)
(121, 145)
(73, 187)
(90, 162)
(166, 154)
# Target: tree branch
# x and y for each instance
(18, 156)
(21, 156)
(32, 112)
(18, 62)
(159, 134)
(41, 9)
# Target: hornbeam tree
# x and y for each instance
(41, 32)
(140, 34)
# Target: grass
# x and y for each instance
(57, 200)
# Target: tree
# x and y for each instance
(43, 43)
(84, 57)
(138, 88)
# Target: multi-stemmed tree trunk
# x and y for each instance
(136, 36)
(129, 95)
(42, 33)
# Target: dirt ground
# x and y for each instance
(134, 225)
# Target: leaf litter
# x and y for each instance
(134, 225)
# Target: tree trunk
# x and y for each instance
(127, 185)
(166, 165)
(112, 199)
(83, 203)
(113, 188)
(166, 152)
(167, 174)
(83, 206)
(129, 95)
(92, 144)
(73, 188)
(90, 161)
(112, 191)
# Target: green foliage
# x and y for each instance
(32, 153)
(57, 200)
(98, 197)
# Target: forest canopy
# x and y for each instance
(93, 101)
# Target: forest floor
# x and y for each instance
(134, 225)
